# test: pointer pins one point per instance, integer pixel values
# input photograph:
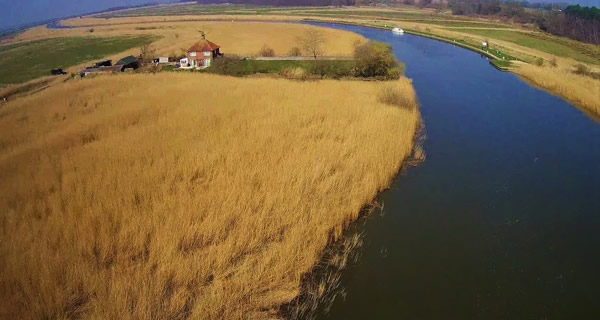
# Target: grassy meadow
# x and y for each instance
(157, 196)
(552, 45)
(24, 61)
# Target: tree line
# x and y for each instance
(574, 21)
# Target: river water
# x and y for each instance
(502, 220)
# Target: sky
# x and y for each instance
(17, 12)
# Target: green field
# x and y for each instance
(26, 61)
(330, 68)
(560, 47)
(428, 18)
(546, 43)
(192, 10)
(436, 19)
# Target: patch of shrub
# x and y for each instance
(295, 52)
(539, 62)
(553, 62)
(375, 59)
(331, 69)
(395, 73)
(227, 65)
(583, 70)
(266, 51)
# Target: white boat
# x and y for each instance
(398, 30)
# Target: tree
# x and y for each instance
(375, 59)
(295, 52)
(146, 54)
(424, 3)
(312, 42)
(266, 51)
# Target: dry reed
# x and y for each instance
(172, 196)
(580, 89)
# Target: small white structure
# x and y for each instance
(163, 60)
(484, 44)
(184, 64)
(397, 30)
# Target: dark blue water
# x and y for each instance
(502, 220)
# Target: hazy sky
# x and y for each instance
(16, 12)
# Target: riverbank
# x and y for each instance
(583, 91)
(169, 197)
(510, 45)
(506, 164)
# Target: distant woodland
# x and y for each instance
(573, 21)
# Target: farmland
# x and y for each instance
(552, 45)
(237, 37)
(510, 41)
(142, 200)
(438, 23)
(25, 61)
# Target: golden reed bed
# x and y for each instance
(183, 195)
(581, 90)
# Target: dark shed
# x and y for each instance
(129, 62)
(106, 63)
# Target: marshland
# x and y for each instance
(178, 194)
(188, 195)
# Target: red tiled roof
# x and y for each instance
(203, 45)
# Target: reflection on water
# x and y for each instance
(502, 221)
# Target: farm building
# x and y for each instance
(201, 54)
(106, 63)
(129, 62)
(125, 64)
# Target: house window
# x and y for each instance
(207, 53)
(192, 54)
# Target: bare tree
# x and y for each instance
(312, 42)
(146, 54)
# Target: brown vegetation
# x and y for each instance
(312, 41)
(581, 89)
(158, 197)
(395, 95)
(266, 51)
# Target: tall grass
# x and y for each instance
(395, 95)
(237, 38)
(174, 196)
(580, 89)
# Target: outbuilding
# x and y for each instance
(129, 62)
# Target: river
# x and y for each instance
(501, 221)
